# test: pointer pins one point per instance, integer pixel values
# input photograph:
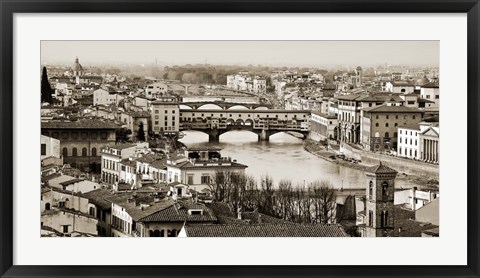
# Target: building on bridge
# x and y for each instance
(262, 122)
(165, 115)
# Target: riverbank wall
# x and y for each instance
(402, 165)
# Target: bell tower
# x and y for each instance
(379, 208)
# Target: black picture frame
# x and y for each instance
(9, 7)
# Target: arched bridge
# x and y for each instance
(222, 105)
(264, 123)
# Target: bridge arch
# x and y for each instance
(238, 107)
(261, 108)
(230, 121)
(185, 107)
(210, 106)
(249, 122)
(239, 122)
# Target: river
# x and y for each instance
(283, 157)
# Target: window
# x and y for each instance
(370, 218)
(157, 111)
(384, 219)
(387, 116)
(414, 117)
(166, 118)
(75, 135)
(428, 96)
(376, 117)
(384, 189)
(47, 206)
(74, 152)
(370, 190)
(387, 135)
(370, 104)
(94, 151)
(386, 124)
(437, 97)
(396, 117)
(205, 179)
(65, 229)
(166, 111)
(43, 149)
(84, 151)
(395, 135)
(396, 124)
(91, 211)
(190, 179)
(376, 124)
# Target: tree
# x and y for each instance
(46, 89)
(324, 201)
(141, 133)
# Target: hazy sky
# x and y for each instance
(288, 53)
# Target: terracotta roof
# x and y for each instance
(265, 230)
(392, 109)
(179, 213)
(380, 169)
(80, 124)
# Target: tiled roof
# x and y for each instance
(80, 124)
(122, 146)
(392, 109)
(380, 169)
(100, 198)
(265, 230)
(136, 212)
(179, 213)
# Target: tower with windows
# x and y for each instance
(379, 201)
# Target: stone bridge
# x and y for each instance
(222, 105)
(264, 123)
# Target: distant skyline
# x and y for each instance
(268, 53)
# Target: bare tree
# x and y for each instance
(324, 201)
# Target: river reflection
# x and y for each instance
(283, 157)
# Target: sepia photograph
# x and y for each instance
(239, 138)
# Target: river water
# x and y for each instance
(283, 157)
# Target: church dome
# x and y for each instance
(359, 68)
(77, 67)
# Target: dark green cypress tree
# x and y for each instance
(46, 88)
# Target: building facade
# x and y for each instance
(323, 126)
(81, 140)
(165, 116)
(380, 124)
